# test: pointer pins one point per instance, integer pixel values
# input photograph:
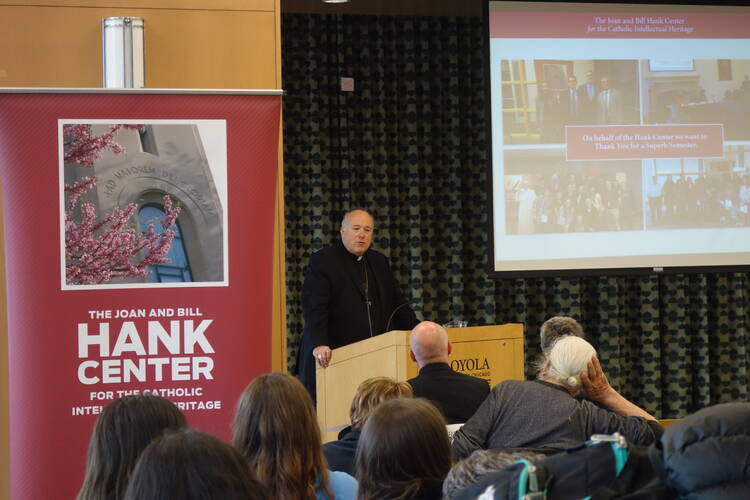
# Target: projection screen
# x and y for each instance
(620, 138)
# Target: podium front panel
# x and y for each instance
(382, 356)
(493, 360)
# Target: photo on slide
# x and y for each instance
(143, 203)
(546, 194)
(541, 96)
(698, 193)
(712, 91)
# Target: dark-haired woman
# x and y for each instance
(404, 452)
(192, 465)
(124, 428)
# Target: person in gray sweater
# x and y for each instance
(544, 414)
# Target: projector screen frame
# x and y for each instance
(701, 6)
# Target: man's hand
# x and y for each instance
(597, 388)
(594, 381)
(322, 355)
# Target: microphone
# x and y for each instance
(404, 303)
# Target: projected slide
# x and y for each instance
(620, 140)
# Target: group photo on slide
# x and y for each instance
(543, 96)
(702, 194)
(545, 194)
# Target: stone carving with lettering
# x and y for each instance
(99, 248)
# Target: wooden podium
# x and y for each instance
(494, 353)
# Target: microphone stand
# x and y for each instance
(387, 325)
(367, 298)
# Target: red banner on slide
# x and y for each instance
(78, 343)
(617, 25)
(632, 142)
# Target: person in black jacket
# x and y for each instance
(456, 394)
(349, 294)
(706, 455)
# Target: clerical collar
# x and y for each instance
(342, 248)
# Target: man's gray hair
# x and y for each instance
(345, 218)
(468, 471)
(557, 327)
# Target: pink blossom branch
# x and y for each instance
(85, 149)
(97, 252)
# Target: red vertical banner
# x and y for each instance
(139, 248)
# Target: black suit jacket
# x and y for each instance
(588, 110)
(456, 394)
(335, 303)
(574, 111)
(340, 454)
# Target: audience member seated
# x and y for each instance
(456, 394)
(370, 393)
(403, 452)
(124, 428)
(556, 328)
(276, 430)
(192, 465)
(479, 463)
(706, 455)
(545, 414)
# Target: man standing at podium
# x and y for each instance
(456, 395)
(349, 294)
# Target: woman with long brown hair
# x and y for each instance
(276, 429)
(124, 428)
(404, 452)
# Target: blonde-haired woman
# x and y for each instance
(276, 430)
(370, 394)
(544, 414)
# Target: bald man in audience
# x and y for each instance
(456, 394)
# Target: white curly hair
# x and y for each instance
(568, 359)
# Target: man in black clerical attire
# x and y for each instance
(349, 295)
(456, 394)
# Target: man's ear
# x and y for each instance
(411, 355)
(450, 347)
